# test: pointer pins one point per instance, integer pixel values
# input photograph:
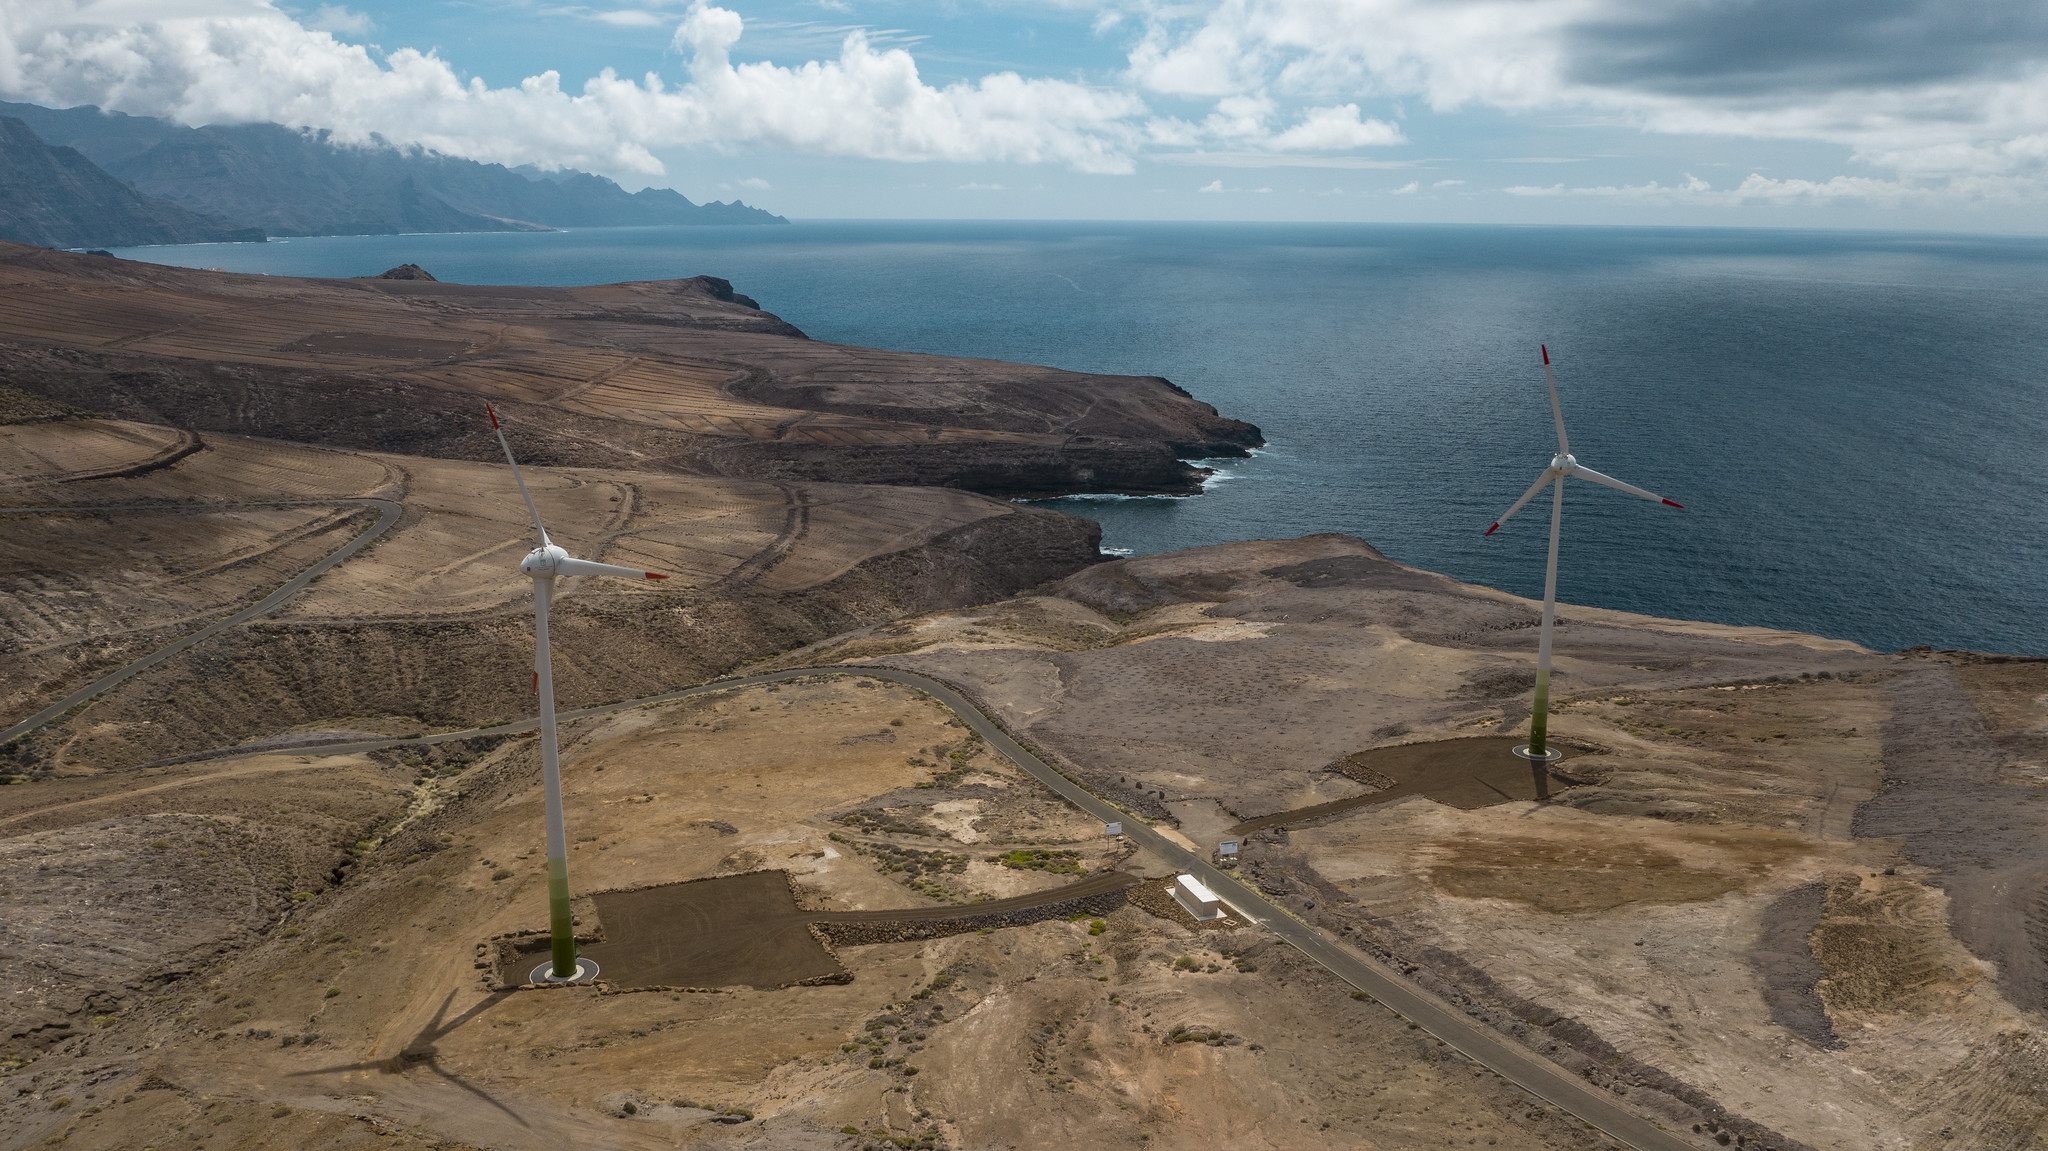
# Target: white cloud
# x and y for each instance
(1760, 189)
(973, 187)
(1205, 159)
(1211, 186)
(340, 20)
(1948, 90)
(632, 18)
(1447, 183)
(227, 61)
(1245, 121)
(1337, 129)
(1412, 187)
(756, 184)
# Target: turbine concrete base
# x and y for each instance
(1549, 755)
(586, 970)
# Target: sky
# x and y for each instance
(1897, 114)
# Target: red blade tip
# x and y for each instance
(536, 683)
(654, 575)
(1675, 504)
(494, 415)
(1546, 354)
(1493, 529)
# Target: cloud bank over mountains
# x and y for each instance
(1936, 97)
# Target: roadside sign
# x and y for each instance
(1112, 829)
(1227, 847)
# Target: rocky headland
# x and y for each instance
(683, 376)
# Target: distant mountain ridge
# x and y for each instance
(57, 198)
(292, 183)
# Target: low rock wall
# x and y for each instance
(851, 934)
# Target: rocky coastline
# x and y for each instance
(682, 376)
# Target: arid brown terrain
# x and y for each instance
(682, 376)
(278, 889)
(431, 627)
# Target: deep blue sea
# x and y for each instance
(1857, 423)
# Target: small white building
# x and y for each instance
(1195, 896)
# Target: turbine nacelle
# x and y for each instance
(543, 562)
(1564, 463)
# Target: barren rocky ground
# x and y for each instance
(681, 376)
(431, 627)
(1118, 1030)
(1784, 892)
(1698, 915)
(1794, 878)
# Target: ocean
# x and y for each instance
(1855, 422)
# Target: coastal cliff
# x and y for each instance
(685, 376)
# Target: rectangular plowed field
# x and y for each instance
(734, 930)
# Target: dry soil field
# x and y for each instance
(1794, 878)
(431, 627)
(1783, 888)
(363, 1015)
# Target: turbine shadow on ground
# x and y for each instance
(422, 1051)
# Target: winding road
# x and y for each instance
(389, 514)
(1478, 1042)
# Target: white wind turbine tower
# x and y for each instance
(544, 564)
(1562, 464)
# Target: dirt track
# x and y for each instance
(1676, 935)
(388, 515)
(428, 627)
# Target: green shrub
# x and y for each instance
(1040, 859)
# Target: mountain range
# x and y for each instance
(279, 181)
(57, 198)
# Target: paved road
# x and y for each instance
(1478, 1042)
(389, 515)
(1483, 1045)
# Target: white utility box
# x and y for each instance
(1194, 895)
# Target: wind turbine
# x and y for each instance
(1562, 464)
(544, 564)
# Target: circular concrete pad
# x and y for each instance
(586, 970)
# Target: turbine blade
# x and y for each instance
(1586, 473)
(585, 567)
(1564, 446)
(516, 477)
(1547, 476)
